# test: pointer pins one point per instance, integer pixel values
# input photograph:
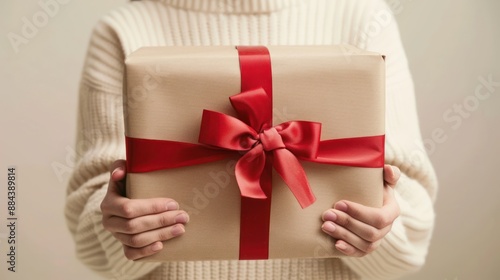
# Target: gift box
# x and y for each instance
(255, 143)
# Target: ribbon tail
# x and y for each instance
(248, 172)
(291, 171)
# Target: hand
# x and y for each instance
(139, 224)
(359, 229)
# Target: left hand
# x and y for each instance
(359, 229)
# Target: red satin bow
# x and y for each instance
(285, 142)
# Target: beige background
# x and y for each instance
(449, 44)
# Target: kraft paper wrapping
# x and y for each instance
(165, 92)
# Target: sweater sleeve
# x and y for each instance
(100, 141)
(404, 249)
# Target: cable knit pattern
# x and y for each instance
(367, 24)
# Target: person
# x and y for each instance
(111, 231)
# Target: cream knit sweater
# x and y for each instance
(367, 24)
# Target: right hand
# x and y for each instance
(139, 224)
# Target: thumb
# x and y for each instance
(391, 175)
(116, 181)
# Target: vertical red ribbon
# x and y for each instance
(255, 68)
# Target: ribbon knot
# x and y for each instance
(271, 139)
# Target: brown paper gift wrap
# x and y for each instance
(165, 92)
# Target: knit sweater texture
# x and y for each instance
(367, 24)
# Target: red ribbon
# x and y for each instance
(264, 147)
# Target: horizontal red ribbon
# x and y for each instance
(146, 155)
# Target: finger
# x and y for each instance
(139, 253)
(376, 217)
(145, 223)
(364, 231)
(133, 208)
(338, 232)
(145, 238)
(349, 250)
(121, 163)
(391, 175)
(118, 172)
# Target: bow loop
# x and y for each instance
(252, 108)
(226, 132)
(302, 138)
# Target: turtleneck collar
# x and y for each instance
(232, 6)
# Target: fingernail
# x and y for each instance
(177, 230)
(328, 226)
(330, 216)
(157, 246)
(341, 206)
(181, 218)
(395, 171)
(172, 205)
(341, 246)
(116, 170)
